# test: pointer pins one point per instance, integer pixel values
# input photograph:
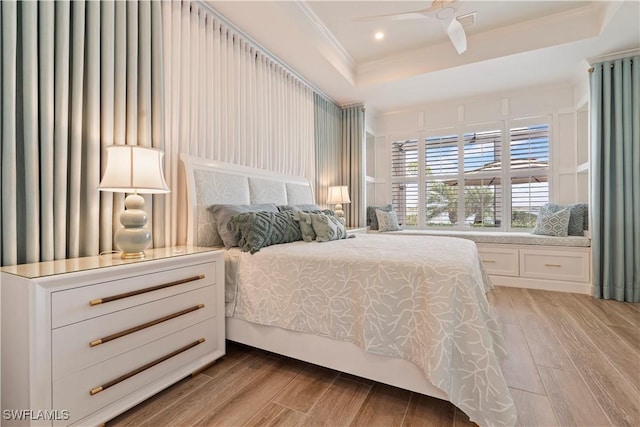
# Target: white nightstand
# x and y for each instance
(86, 339)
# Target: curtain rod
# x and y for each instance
(592, 69)
(265, 51)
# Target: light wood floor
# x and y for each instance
(574, 361)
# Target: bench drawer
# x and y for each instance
(573, 266)
(499, 261)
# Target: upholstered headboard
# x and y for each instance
(211, 182)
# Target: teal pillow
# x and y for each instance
(578, 219)
(327, 227)
(552, 223)
(578, 216)
(387, 221)
(262, 229)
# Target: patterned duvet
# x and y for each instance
(420, 299)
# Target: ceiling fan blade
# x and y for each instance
(418, 14)
(456, 33)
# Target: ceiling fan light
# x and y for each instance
(446, 13)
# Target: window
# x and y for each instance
(473, 178)
(404, 190)
(481, 178)
(441, 176)
(529, 173)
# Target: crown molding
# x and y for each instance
(613, 56)
(326, 35)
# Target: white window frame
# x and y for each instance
(506, 173)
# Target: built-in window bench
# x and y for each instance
(527, 260)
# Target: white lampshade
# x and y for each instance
(131, 168)
(339, 194)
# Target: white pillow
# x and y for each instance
(387, 221)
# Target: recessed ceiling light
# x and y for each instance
(379, 35)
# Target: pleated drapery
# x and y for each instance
(615, 184)
(75, 78)
(353, 172)
(328, 145)
(227, 100)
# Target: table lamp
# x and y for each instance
(133, 169)
(339, 194)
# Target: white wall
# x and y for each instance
(559, 102)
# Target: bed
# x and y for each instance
(408, 313)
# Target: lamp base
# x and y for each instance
(134, 238)
(133, 255)
(338, 210)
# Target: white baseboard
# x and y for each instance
(545, 285)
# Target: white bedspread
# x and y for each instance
(422, 300)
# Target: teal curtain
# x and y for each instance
(615, 163)
(353, 173)
(75, 77)
(327, 125)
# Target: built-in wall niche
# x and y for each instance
(582, 131)
(582, 153)
(371, 155)
(370, 168)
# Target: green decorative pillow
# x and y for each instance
(304, 221)
(327, 227)
(262, 229)
(552, 223)
(387, 221)
(223, 214)
(372, 219)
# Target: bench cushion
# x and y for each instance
(502, 237)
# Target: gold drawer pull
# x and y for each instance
(553, 265)
(128, 375)
(145, 290)
(488, 261)
(144, 325)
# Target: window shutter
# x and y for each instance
(404, 196)
(482, 174)
(441, 155)
(529, 173)
(404, 158)
(404, 191)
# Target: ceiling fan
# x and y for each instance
(440, 10)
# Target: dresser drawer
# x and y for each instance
(83, 344)
(573, 266)
(499, 261)
(85, 302)
(73, 392)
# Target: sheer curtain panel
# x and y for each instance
(353, 173)
(75, 77)
(615, 171)
(328, 143)
(227, 100)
